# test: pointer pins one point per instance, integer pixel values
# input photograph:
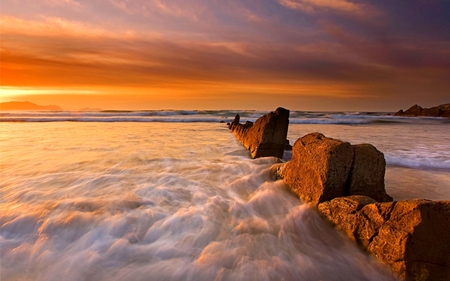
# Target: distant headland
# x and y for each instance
(26, 105)
(442, 110)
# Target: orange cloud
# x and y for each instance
(317, 5)
(54, 54)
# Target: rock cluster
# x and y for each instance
(323, 168)
(265, 137)
(346, 183)
(412, 237)
(442, 110)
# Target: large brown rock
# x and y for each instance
(323, 168)
(319, 168)
(367, 173)
(412, 237)
(267, 136)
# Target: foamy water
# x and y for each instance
(157, 201)
(106, 198)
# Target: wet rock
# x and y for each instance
(287, 145)
(323, 168)
(442, 110)
(267, 136)
(410, 236)
(319, 168)
(367, 173)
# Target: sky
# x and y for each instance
(226, 54)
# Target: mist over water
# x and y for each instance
(157, 201)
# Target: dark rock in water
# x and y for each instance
(442, 110)
(399, 113)
(412, 237)
(267, 136)
(323, 168)
(414, 110)
(319, 168)
(287, 145)
(221, 121)
(367, 173)
(235, 121)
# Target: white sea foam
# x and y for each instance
(89, 201)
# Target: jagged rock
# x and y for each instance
(410, 236)
(442, 110)
(319, 168)
(367, 173)
(323, 168)
(287, 145)
(399, 113)
(414, 110)
(267, 136)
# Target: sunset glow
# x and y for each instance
(302, 54)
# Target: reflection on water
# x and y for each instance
(156, 201)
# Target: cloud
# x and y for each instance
(246, 47)
(320, 5)
(68, 54)
(187, 9)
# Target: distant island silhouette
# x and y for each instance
(26, 105)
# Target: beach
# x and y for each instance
(172, 195)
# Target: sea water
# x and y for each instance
(171, 195)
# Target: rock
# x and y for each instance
(287, 145)
(444, 106)
(410, 236)
(319, 168)
(235, 121)
(414, 110)
(323, 168)
(267, 136)
(432, 112)
(399, 113)
(367, 173)
(442, 110)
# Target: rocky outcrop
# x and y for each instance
(322, 169)
(319, 168)
(346, 183)
(442, 110)
(410, 236)
(265, 137)
(367, 173)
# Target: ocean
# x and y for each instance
(172, 195)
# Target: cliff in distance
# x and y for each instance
(442, 110)
(26, 105)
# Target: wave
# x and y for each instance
(418, 162)
(169, 115)
(111, 119)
